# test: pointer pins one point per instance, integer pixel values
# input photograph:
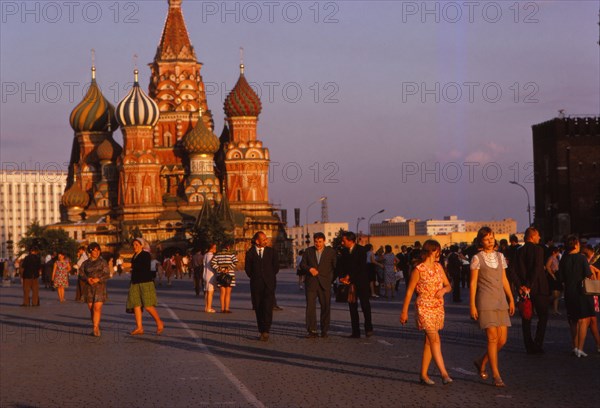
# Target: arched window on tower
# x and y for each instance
(239, 195)
(167, 139)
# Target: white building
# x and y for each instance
(298, 234)
(396, 226)
(27, 196)
(505, 226)
(440, 227)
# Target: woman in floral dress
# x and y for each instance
(430, 282)
(60, 275)
(94, 274)
(389, 270)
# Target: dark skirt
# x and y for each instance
(372, 269)
(554, 284)
(579, 306)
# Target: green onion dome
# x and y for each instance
(94, 113)
(200, 140)
(75, 197)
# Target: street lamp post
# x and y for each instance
(308, 208)
(528, 201)
(358, 220)
(369, 224)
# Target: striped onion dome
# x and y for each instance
(108, 150)
(200, 140)
(137, 108)
(94, 113)
(242, 100)
(75, 197)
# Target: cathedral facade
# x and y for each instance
(172, 167)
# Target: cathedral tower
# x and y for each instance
(93, 121)
(202, 183)
(140, 195)
(177, 87)
(246, 159)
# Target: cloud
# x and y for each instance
(479, 157)
(496, 148)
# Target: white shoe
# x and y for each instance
(580, 353)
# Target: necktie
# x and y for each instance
(319, 257)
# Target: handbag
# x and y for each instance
(525, 307)
(341, 293)
(224, 279)
(591, 287)
(352, 294)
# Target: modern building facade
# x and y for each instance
(298, 233)
(394, 226)
(27, 196)
(566, 160)
(449, 224)
(505, 226)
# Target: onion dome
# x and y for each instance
(242, 100)
(137, 108)
(108, 150)
(94, 113)
(75, 197)
(200, 140)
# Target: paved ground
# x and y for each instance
(48, 358)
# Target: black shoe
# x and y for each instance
(324, 335)
(311, 335)
(354, 336)
(24, 305)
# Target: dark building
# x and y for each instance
(566, 157)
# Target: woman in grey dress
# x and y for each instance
(489, 291)
(94, 274)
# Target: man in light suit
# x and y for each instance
(352, 268)
(262, 265)
(318, 264)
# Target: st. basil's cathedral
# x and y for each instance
(172, 170)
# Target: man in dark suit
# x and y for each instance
(31, 268)
(261, 267)
(529, 276)
(318, 265)
(352, 268)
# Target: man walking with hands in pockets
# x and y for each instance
(318, 264)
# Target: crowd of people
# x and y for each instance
(498, 275)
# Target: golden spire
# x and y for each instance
(135, 70)
(241, 60)
(93, 64)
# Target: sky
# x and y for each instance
(423, 109)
